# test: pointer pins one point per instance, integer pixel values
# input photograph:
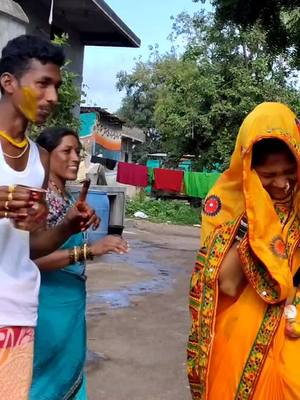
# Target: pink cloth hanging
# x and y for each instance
(132, 174)
(168, 179)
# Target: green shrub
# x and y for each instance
(171, 211)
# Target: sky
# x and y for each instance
(151, 21)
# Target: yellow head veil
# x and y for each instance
(239, 189)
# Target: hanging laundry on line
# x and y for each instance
(198, 184)
(132, 174)
(150, 175)
(168, 180)
(106, 162)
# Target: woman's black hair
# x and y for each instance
(266, 147)
(50, 138)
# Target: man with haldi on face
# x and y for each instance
(29, 80)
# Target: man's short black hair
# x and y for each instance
(18, 53)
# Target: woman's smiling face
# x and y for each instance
(278, 175)
(65, 158)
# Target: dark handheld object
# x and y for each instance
(115, 230)
(84, 190)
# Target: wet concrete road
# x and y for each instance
(138, 318)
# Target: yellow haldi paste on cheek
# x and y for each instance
(28, 104)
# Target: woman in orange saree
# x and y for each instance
(244, 341)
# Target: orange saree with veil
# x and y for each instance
(237, 347)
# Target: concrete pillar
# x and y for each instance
(13, 21)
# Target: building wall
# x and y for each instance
(126, 149)
(13, 21)
(39, 25)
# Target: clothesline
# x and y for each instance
(194, 184)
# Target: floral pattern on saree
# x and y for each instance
(269, 325)
(258, 276)
(278, 247)
(203, 301)
(259, 352)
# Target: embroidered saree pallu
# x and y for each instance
(16, 358)
(237, 348)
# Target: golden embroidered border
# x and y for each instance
(258, 276)
(259, 352)
(267, 330)
(293, 239)
(203, 301)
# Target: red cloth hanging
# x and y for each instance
(132, 174)
(168, 179)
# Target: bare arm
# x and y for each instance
(231, 274)
(56, 260)
(60, 258)
(43, 242)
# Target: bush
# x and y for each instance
(171, 211)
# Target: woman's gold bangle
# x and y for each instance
(75, 254)
(84, 251)
(71, 256)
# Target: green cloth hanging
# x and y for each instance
(195, 184)
(150, 175)
(198, 184)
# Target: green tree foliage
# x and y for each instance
(280, 19)
(198, 100)
(139, 103)
(221, 76)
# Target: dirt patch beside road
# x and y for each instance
(165, 229)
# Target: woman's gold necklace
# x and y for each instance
(59, 191)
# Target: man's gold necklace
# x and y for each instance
(19, 155)
(19, 145)
(24, 144)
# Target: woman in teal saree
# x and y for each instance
(60, 337)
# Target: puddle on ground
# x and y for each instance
(140, 256)
(163, 274)
(94, 359)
